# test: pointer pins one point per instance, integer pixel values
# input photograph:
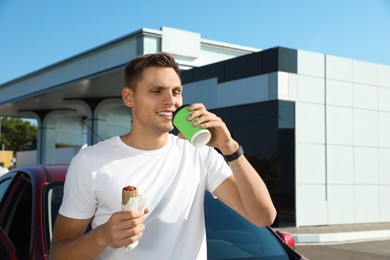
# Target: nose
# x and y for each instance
(169, 99)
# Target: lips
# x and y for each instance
(165, 114)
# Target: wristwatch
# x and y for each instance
(235, 155)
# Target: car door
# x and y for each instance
(15, 215)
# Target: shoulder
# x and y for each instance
(100, 149)
(113, 141)
(94, 154)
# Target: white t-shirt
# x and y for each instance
(174, 178)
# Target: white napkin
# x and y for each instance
(137, 203)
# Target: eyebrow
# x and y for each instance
(165, 87)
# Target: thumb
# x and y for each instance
(181, 135)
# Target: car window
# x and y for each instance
(230, 236)
(52, 201)
(54, 192)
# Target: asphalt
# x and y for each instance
(339, 233)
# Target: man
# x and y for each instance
(169, 170)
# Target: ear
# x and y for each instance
(127, 97)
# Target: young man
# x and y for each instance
(169, 170)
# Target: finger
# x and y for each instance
(131, 235)
(196, 106)
(126, 220)
(134, 231)
(211, 121)
(207, 120)
(130, 240)
(200, 114)
(126, 237)
(133, 222)
(196, 110)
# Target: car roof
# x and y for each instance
(50, 173)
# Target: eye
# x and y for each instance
(176, 92)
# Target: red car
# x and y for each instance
(30, 198)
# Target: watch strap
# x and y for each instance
(235, 155)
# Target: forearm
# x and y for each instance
(253, 193)
(86, 246)
(246, 192)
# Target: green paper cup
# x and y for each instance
(195, 134)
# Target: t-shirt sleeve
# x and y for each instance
(218, 170)
(79, 201)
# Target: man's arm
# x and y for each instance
(70, 242)
(246, 193)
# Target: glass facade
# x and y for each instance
(266, 130)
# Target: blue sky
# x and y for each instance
(35, 34)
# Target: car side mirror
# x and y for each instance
(287, 238)
(7, 250)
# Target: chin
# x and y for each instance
(171, 129)
(167, 128)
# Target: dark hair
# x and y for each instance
(136, 66)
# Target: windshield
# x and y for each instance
(230, 236)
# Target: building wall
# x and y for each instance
(342, 121)
(61, 155)
(6, 158)
(342, 140)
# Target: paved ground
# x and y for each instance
(340, 233)
(352, 241)
(367, 250)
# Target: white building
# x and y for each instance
(315, 126)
